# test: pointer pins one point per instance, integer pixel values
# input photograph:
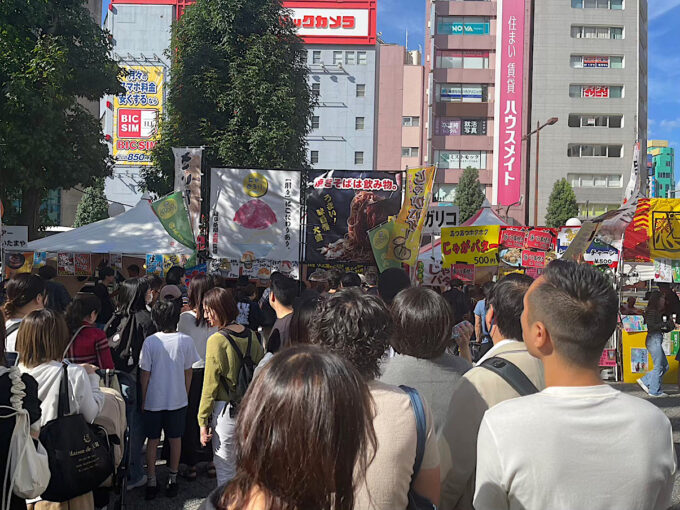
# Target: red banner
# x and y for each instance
(533, 258)
(512, 238)
(539, 239)
(464, 272)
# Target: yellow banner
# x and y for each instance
(408, 228)
(136, 114)
(470, 245)
(663, 228)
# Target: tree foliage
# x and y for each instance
(469, 194)
(52, 53)
(238, 87)
(561, 205)
(93, 206)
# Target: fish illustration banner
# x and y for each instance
(255, 214)
(342, 207)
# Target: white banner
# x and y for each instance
(14, 238)
(255, 214)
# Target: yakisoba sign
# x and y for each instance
(330, 22)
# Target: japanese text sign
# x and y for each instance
(512, 238)
(464, 272)
(136, 114)
(439, 218)
(533, 258)
(355, 22)
(14, 238)
(470, 245)
(509, 102)
(541, 240)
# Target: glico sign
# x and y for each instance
(333, 22)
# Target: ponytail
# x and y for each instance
(21, 290)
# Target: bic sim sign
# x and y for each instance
(137, 123)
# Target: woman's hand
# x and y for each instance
(89, 368)
(206, 435)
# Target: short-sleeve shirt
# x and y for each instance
(389, 476)
(167, 356)
(480, 311)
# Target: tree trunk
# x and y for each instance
(31, 198)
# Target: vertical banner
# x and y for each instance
(342, 207)
(173, 215)
(136, 114)
(65, 264)
(408, 227)
(82, 264)
(663, 228)
(509, 102)
(39, 259)
(188, 175)
(380, 237)
(116, 261)
(255, 215)
(154, 264)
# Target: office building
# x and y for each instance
(663, 168)
(400, 109)
(589, 71)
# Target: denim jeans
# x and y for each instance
(653, 378)
(136, 427)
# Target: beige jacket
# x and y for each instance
(478, 390)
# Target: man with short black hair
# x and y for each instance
(481, 388)
(133, 271)
(579, 443)
(58, 297)
(350, 279)
(283, 292)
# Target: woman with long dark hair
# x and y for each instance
(657, 325)
(304, 436)
(25, 292)
(194, 324)
(90, 344)
(220, 397)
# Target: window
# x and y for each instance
(596, 91)
(462, 25)
(362, 58)
(349, 58)
(590, 210)
(313, 157)
(462, 59)
(316, 89)
(575, 150)
(337, 57)
(359, 123)
(409, 152)
(593, 120)
(597, 4)
(461, 159)
(358, 158)
(410, 121)
(615, 181)
(596, 62)
(315, 122)
(316, 57)
(445, 192)
(596, 32)
(465, 93)
(361, 90)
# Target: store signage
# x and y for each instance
(509, 111)
(596, 61)
(354, 23)
(446, 28)
(474, 127)
(14, 237)
(448, 127)
(596, 92)
(136, 115)
(440, 217)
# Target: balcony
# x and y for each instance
(472, 110)
(466, 8)
(464, 75)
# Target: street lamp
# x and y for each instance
(539, 126)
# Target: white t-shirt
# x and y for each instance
(167, 356)
(574, 448)
(199, 334)
(11, 340)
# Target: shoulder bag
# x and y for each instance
(511, 374)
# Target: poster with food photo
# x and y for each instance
(342, 206)
(255, 215)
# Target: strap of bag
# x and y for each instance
(64, 402)
(14, 327)
(226, 334)
(73, 339)
(511, 374)
(419, 411)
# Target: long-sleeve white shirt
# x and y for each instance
(569, 448)
(86, 398)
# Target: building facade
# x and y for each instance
(663, 168)
(400, 109)
(589, 71)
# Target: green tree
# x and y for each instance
(469, 194)
(561, 205)
(238, 87)
(53, 54)
(93, 206)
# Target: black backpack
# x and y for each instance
(120, 332)
(245, 372)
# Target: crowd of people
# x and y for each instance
(351, 392)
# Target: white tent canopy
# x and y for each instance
(134, 232)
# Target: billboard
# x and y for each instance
(509, 102)
(330, 22)
(136, 114)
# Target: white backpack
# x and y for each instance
(28, 470)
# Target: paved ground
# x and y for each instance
(192, 493)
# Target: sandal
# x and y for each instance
(190, 474)
(210, 471)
